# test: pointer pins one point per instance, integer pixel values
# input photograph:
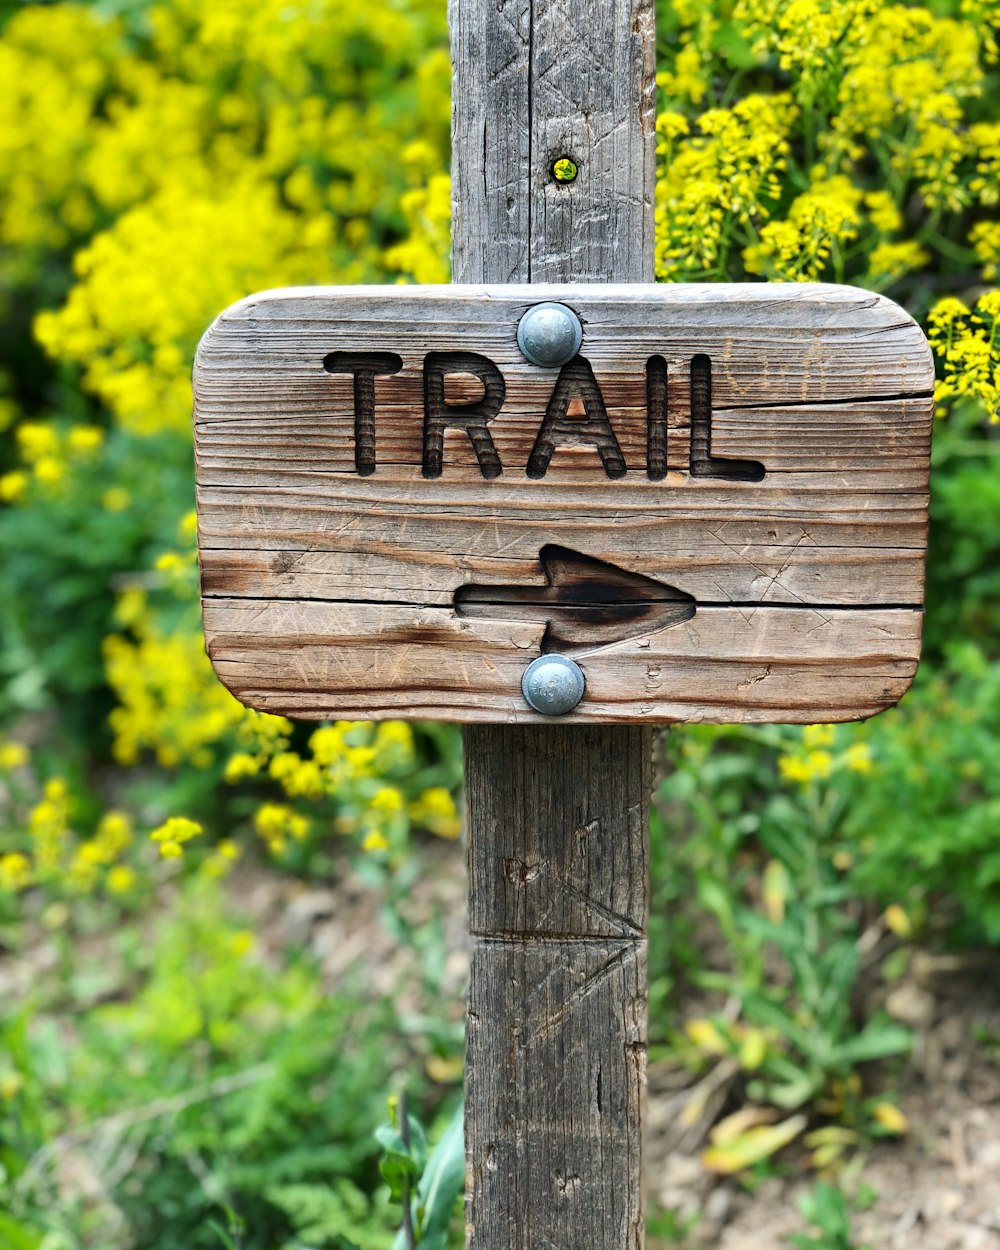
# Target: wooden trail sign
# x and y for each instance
(721, 515)
(718, 507)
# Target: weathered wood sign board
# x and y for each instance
(718, 508)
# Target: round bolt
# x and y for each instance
(553, 684)
(549, 335)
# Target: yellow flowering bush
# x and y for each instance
(48, 838)
(158, 162)
(161, 159)
(968, 342)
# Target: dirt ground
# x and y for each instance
(938, 1188)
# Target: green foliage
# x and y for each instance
(428, 1182)
(441, 1185)
(403, 1157)
(160, 161)
(57, 554)
(769, 864)
(922, 828)
(963, 567)
(167, 1083)
(221, 1084)
(334, 1213)
(827, 1209)
(668, 1228)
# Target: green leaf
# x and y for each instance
(399, 1173)
(440, 1185)
(878, 1040)
(401, 1163)
(15, 1236)
(391, 1141)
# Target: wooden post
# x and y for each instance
(557, 816)
(734, 532)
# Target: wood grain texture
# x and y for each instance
(726, 664)
(534, 81)
(557, 816)
(394, 493)
(556, 1021)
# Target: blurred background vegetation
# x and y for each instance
(177, 1068)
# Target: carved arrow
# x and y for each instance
(586, 603)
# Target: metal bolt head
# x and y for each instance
(553, 684)
(549, 334)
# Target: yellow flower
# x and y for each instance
(967, 344)
(15, 872)
(386, 801)
(12, 755)
(435, 811)
(240, 766)
(221, 860)
(48, 824)
(84, 440)
(812, 766)
(687, 81)
(794, 768)
(328, 743)
(820, 763)
(120, 879)
(393, 745)
(883, 212)
(375, 841)
(173, 833)
(299, 778)
(890, 261)
(985, 239)
(49, 470)
(13, 485)
(723, 174)
(819, 224)
(242, 942)
(114, 833)
(37, 441)
(275, 822)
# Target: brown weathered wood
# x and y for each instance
(557, 816)
(726, 664)
(556, 1029)
(790, 471)
(535, 82)
(381, 475)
